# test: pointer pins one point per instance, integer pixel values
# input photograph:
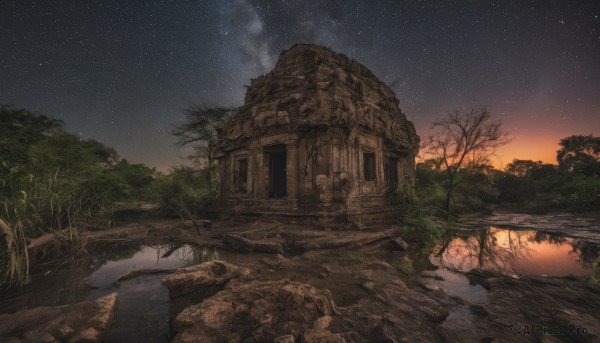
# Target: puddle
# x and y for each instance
(511, 252)
(142, 312)
(516, 253)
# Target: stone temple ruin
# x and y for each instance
(318, 139)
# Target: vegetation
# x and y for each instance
(460, 179)
(185, 192)
(52, 182)
(463, 140)
(200, 131)
(579, 154)
(424, 219)
(527, 185)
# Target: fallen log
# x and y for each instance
(244, 244)
(139, 272)
(42, 240)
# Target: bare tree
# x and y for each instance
(200, 131)
(464, 139)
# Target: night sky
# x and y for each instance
(121, 71)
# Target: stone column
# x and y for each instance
(292, 172)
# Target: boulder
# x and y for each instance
(260, 311)
(193, 284)
(82, 322)
(399, 244)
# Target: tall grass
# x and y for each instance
(32, 208)
(14, 266)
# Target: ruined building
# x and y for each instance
(319, 138)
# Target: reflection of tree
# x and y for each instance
(555, 239)
(484, 250)
(586, 252)
(104, 252)
(505, 250)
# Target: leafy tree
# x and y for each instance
(70, 154)
(137, 176)
(184, 192)
(200, 130)
(464, 138)
(579, 154)
(19, 129)
(522, 167)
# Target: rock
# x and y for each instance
(193, 284)
(259, 310)
(399, 244)
(321, 336)
(47, 338)
(478, 309)
(542, 301)
(429, 274)
(87, 335)
(244, 244)
(322, 323)
(82, 322)
(275, 261)
(285, 339)
(369, 286)
(480, 277)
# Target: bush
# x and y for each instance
(185, 192)
(422, 222)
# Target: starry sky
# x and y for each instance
(121, 72)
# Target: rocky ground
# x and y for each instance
(82, 322)
(585, 226)
(287, 283)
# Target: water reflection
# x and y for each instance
(516, 253)
(143, 305)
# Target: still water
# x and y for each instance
(515, 253)
(143, 303)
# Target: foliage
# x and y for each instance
(522, 167)
(474, 188)
(542, 187)
(19, 129)
(580, 154)
(596, 270)
(200, 130)
(423, 223)
(185, 192)
(54, 182)
(464, 139)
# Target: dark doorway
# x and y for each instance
(277, 171)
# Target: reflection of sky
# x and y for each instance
(146, 258)
(514, 252)
(143, 303)
(458, 285)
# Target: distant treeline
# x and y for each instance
(573, 184)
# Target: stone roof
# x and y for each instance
(313, 86)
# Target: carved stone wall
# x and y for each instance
(318, 137)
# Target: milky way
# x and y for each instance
(122, 71)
